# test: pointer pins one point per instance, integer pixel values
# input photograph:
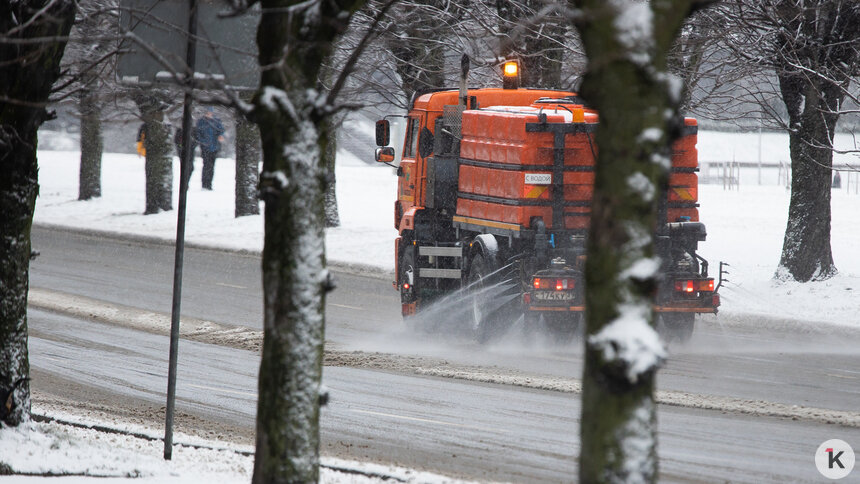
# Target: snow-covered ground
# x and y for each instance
(745, 229)
(37, 451)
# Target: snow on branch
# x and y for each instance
(634, 27)
(275, 100)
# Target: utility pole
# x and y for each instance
(184, 175)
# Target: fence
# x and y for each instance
(730, 174)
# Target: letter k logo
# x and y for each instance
(834, 459)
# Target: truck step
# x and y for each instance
(440, 251)
(439, 273)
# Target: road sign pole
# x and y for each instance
(185, 160)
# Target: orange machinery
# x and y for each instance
(496, 186)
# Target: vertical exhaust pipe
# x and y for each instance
(464, 78)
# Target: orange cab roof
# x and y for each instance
(433, 101)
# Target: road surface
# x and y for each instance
(387, 412)
(475, 431)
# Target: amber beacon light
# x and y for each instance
(511, 75)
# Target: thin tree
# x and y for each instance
(84, 66)
(33, 35)
(294, 39)
(158, 166)
(248, 156)
(627, 81)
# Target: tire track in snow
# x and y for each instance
(251, 340)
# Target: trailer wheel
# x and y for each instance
(562, 326)
(676, 326)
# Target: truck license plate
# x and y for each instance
(553, 295)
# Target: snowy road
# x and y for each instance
(481, 431)
(744, 359)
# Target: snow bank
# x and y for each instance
(93, 457)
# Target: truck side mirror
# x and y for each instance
(383, 133)
(385, 154)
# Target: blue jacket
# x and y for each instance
(206, 134)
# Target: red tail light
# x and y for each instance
(691, 286)
(559, 284)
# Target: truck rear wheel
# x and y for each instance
(484, 317)
(676, 326)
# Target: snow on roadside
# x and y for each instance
(88, 456)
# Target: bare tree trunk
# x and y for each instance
(297, 40)
(622, 351)
(248, 156)
(27, 72)
(332, 217)
(90, 179)
(159, 156)
(812, 107)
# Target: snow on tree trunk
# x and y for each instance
(293, 40)
(294, 279)
(27, 72)
(332, 217)
(90, 179)
(627, 81)
(248, 156)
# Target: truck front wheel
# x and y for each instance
(407, 275)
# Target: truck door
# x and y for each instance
(406, 185)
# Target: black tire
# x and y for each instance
(676, 326)
(486, 321)
(562, 326)
(405, 267)
(406, 270)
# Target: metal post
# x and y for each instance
(185, 161)
(759, 153)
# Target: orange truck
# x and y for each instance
(494, 202)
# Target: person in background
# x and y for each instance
(141, 137)
(209, 133)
